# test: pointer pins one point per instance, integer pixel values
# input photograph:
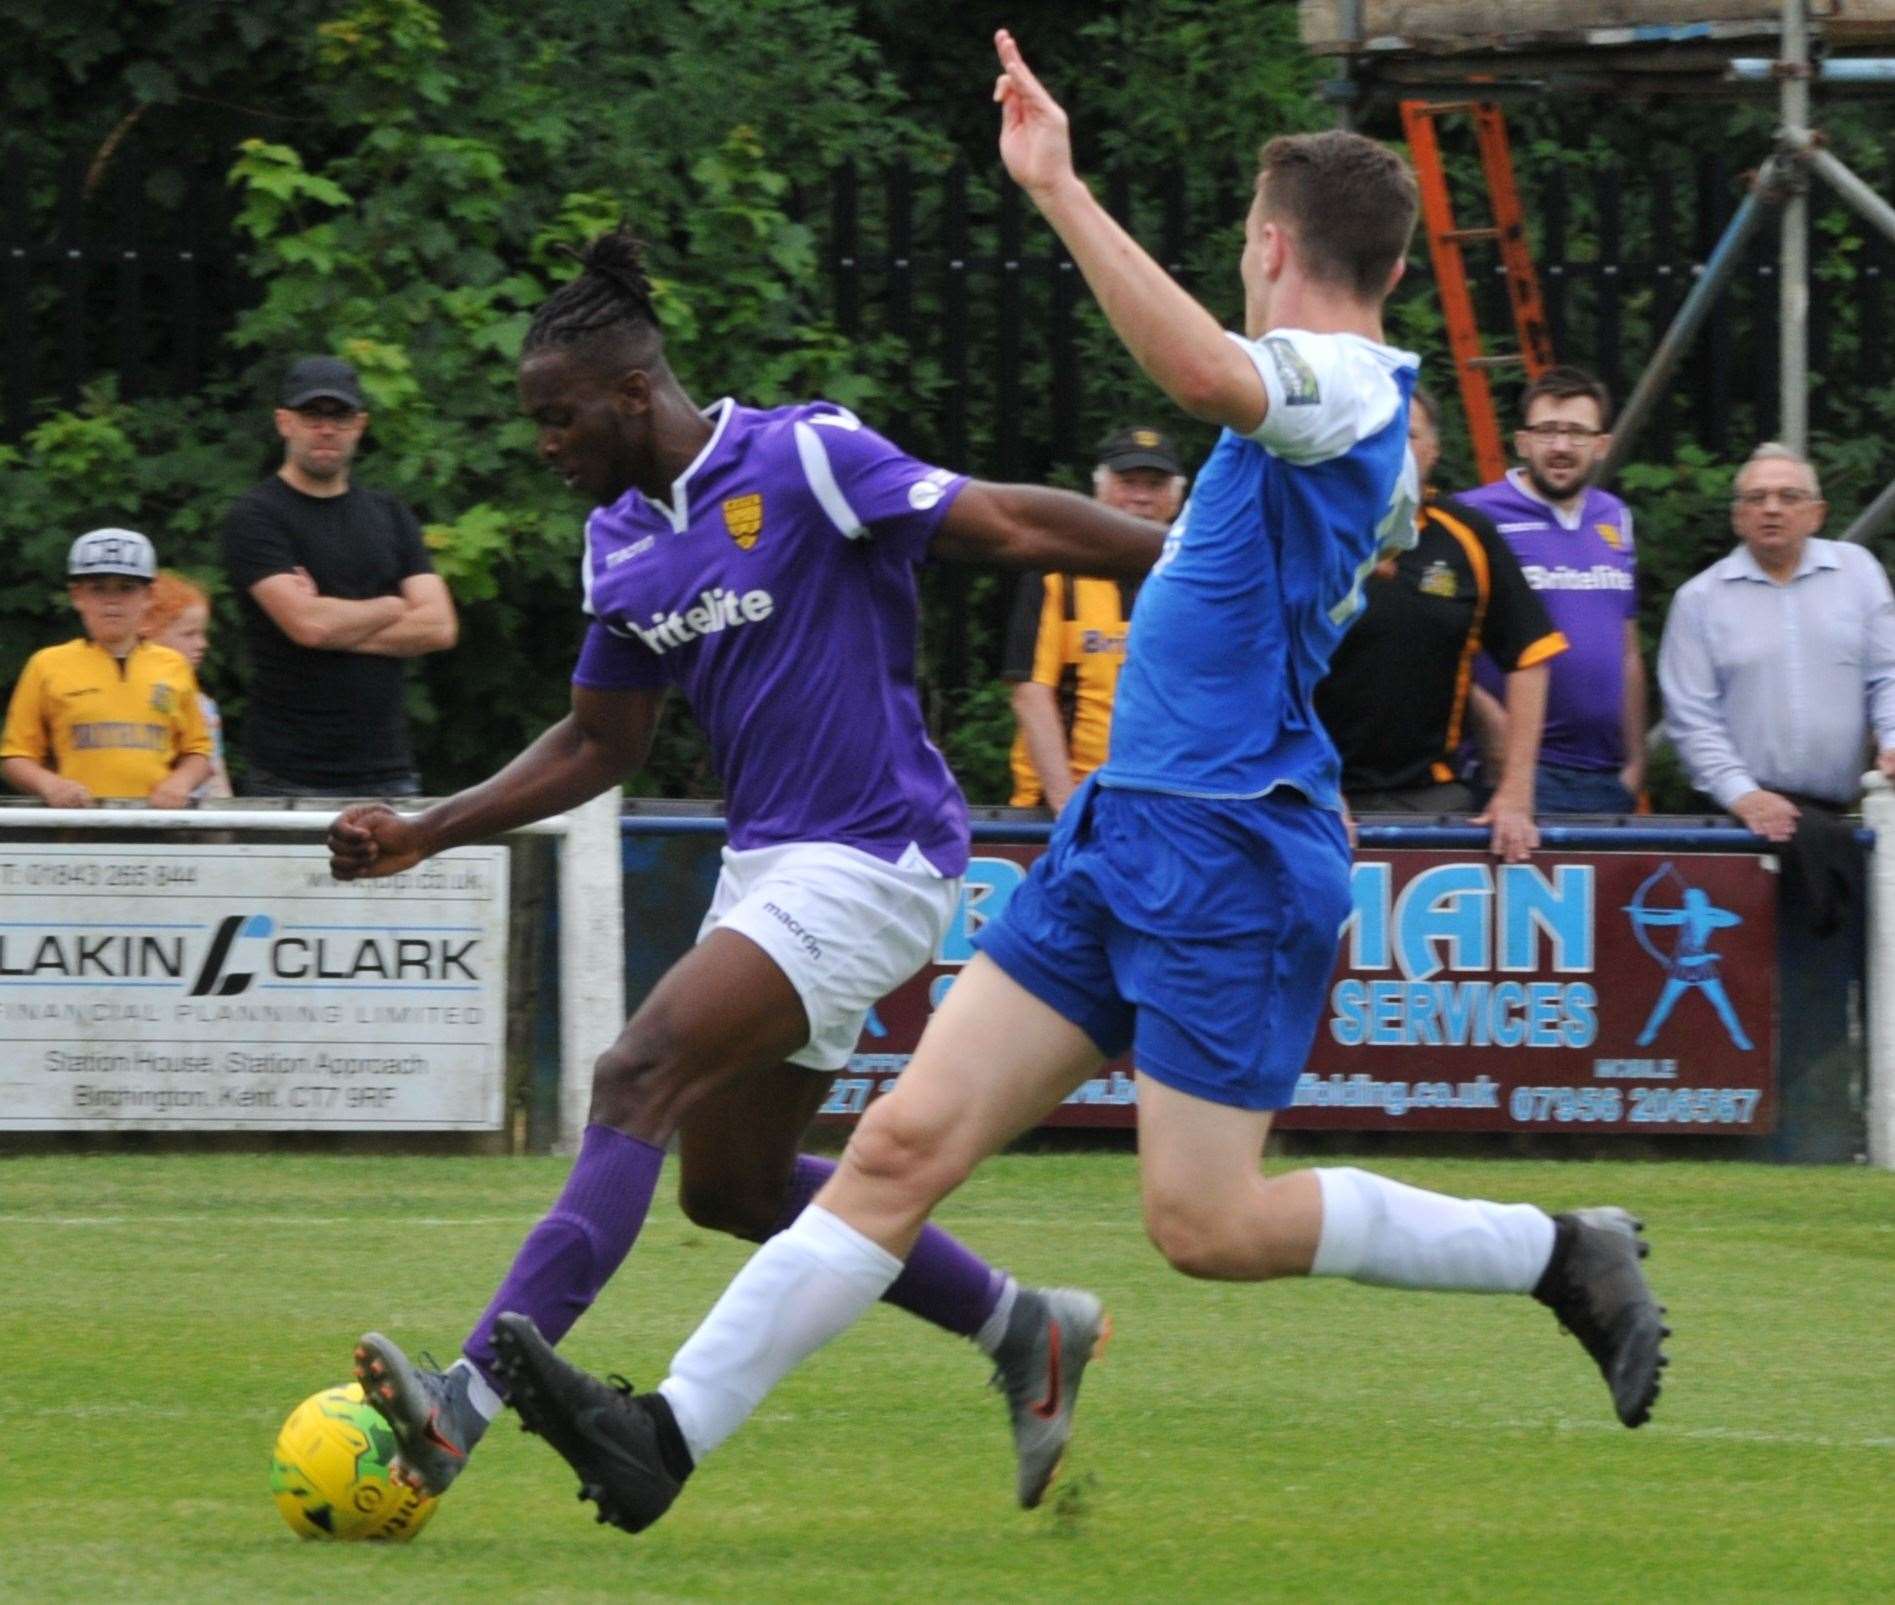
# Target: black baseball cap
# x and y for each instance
(1139, 447)
(320, 379)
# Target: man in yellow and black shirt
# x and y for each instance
(110, 715)
(1066, 643)
(1395, 701)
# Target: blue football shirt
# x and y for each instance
(1262, 573)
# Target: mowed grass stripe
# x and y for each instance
(1310, 1441)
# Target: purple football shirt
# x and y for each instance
(1585, 574)
(777, 591)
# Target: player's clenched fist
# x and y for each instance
(372, 840)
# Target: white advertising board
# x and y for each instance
(185, 988)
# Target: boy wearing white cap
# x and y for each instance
(108, 715)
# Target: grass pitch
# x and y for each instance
(1317, 1441)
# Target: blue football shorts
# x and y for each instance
(1200, 934)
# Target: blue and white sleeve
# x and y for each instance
(1326, 393)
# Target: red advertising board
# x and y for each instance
(1632, 992)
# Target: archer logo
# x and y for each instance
(1688, 963)
(212, 979)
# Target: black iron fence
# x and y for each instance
(1617, 252)
(982, 326)
(98, 277)
(975, 327)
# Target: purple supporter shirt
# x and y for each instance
(776, 590)
(1585, 574)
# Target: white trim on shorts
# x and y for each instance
(844, 926)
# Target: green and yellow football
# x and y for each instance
(329, 1472)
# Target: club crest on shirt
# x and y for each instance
(1296, 376)
(743, 517)
(162, 699)
(1437, 579)
(1612, 537)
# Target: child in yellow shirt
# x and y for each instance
(109, 715)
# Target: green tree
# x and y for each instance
(413, 233)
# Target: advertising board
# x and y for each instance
(182, 987)
(1629, 992)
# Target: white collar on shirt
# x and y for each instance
(1741, 565)
(677, 511)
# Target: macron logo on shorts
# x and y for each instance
(716, 609)
(796, 928)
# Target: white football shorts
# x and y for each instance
(846, 927)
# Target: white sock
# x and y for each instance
(479, 1394)
(808, 1284)
(1380, 1231)
(994, 1329)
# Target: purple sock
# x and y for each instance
(944, 1281)
(573, 1252)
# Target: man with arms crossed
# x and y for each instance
(1189, 904)
(337, 588)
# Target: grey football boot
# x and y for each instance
(433, 1420)
(1596, 1288)
(1052, 1335)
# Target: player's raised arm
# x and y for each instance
(606, 737)
(1057, 531)
(1171, 337)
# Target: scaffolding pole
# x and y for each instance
(1874, 518)
(1837, 174)
(1767, 188)
(1793, 254)
(1348, 109)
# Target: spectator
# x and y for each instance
(1066, 643)
(109, 715)
(1574, 543)
(336, 589)
(1778, 661)
(178, 615)
(1395, 701)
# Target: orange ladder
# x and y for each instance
(1472, 363)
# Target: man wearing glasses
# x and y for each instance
(336, 589)
(1574, 542)
(1778, 662)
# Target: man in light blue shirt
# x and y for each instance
(1778, 662)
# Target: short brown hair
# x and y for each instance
(1351, 203)
(1423, 402)
(1567, 384)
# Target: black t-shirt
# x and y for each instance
(1395, 700)
(321, 717)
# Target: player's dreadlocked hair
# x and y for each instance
(608, 304)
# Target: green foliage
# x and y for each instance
(161, 467)
(412, 228)
(753, 290)
(403, 174)
(978, 740)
